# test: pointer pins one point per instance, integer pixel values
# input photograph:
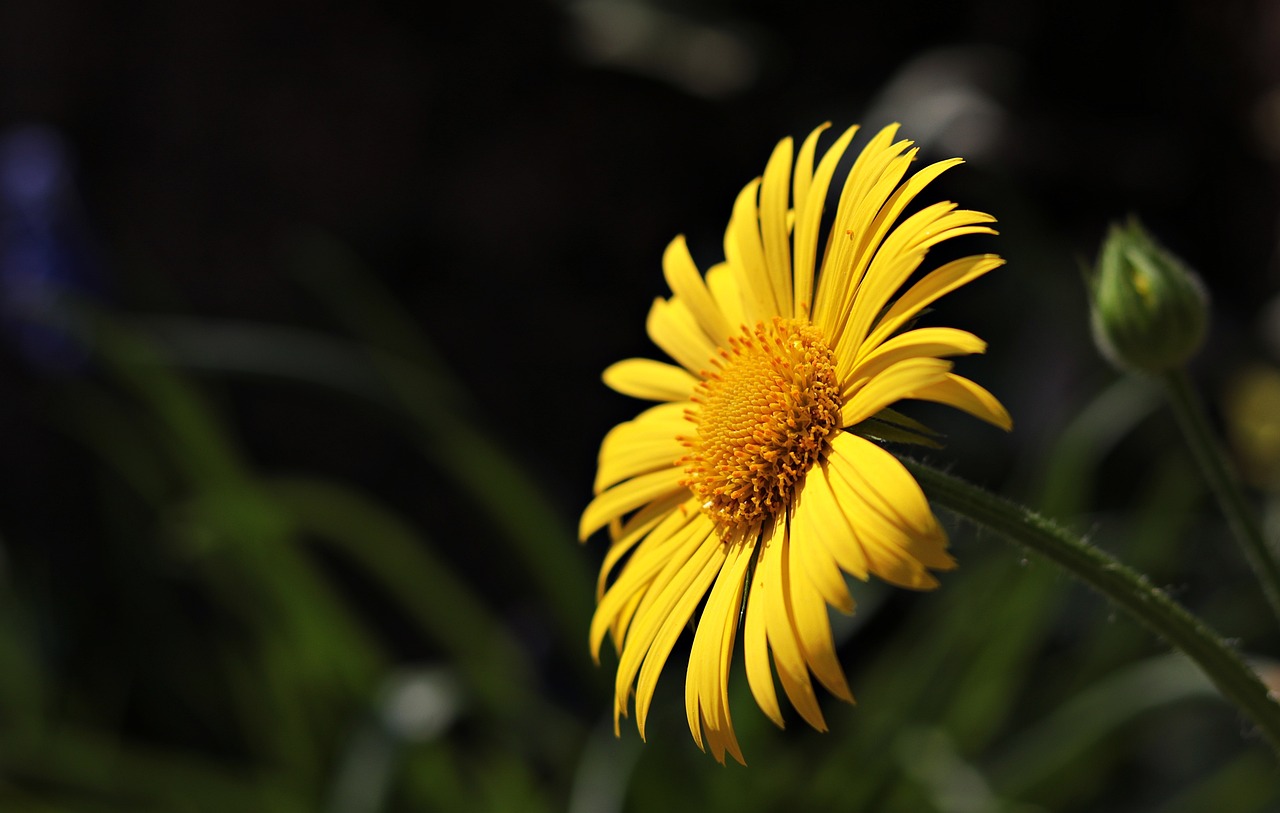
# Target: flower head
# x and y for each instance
(755, 480)
(1149, 310)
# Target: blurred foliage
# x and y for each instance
(282, 641)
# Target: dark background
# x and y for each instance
(515, 189)
(512, 173)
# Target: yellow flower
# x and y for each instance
(754, 478)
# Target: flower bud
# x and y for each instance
(1149, 310)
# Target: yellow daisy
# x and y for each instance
(756, 480)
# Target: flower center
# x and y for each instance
(765, 415)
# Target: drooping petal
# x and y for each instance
(713, 570)
(657, 550)
(707, 681)
(755, 648)
(813, 627)
(651, 380)
(825, 541)
(967, 396)
(773, 580)
(682, 571)
(653, 522)
(900, 535)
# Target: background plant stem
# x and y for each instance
(1226, 486)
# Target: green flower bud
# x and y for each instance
(1149, 310)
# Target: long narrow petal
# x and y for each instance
(926, 342)
(672, 327)
(824, 541)
(686, 283)
(773, 226)
(648, 443)
(675, 622)
(854, 240)
(728, 295)
(813, 628)
(672, 583)
(967, 396)
(863, 239)
(887, 273)
(745, 254)
(891, 386)
(930, 288)
(839, 279)
(900, 535)
(651, 380)
(626, 497)
(707, 682)
(802, 177)
(809, 208)
(656, 521)
(793, 672)
(651, 557)
(755, 646)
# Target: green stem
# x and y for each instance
(1226, 487)
(1127, 588)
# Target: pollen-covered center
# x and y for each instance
(765, 413)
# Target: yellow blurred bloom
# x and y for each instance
(1252, 407)
(753, 481)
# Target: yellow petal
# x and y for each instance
(728, 296)
(651, 380)
(672, 327)
(656, 552)
(887, 273)
(755, 646)
(967, 396)
(745, 254)
(636, 459)
(891, 386)
(931, 342)
(655, 522)
(889, 486)
(673, 583)
(898, 531)
(841, 271)
(803, 177)
(864, 237)
(933, 286)
(707, 682)
(813, 629)
(773, 226)
(793, 672)
(809, 208)
(626, 497)
(674, 623)
(818, 530)
(687, 284)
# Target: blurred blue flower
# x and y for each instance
(46, 256)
